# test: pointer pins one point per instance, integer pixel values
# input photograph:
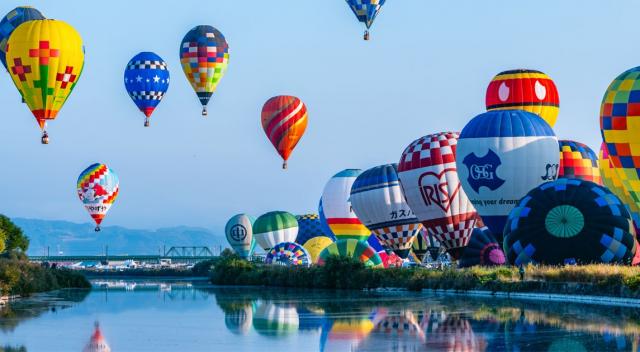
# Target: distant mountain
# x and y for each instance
(78, 239)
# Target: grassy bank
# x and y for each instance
(20, 277)
(345, 273)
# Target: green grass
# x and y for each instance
(345, 273)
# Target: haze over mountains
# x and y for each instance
(80, 239)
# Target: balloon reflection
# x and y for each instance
(378, 322)
(97, 342)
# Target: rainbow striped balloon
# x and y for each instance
(98, 188)
(336, 209)
(284, 120)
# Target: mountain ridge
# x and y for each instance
(66, 237)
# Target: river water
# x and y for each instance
(193, 316)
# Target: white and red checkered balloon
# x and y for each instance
(428, 175)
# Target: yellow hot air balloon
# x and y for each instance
(45, 59)
(315, 245)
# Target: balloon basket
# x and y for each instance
(204, 111)
(284, 165)
(45, 138)
(146, 123)
(366, 35)
(97, 229)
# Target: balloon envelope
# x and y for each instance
(146, 79)
(10, 22)
(315, 245)
(569, 221)
(309, 226)
(98, 188)
(358, 250)
(275, 227)
(527, 90)
(378, 201)
(366, 10)
(288, 254)
(577, 160)
(501, 156)
(239, 232)
(45, 60)
(284, 120)
(336, 208)
(612, 180)
(204, 55)
(483, 249)
(432, 186)
(620, 130)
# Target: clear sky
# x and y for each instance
(424, 71)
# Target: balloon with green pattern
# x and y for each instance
(359, 250)
(275, 227)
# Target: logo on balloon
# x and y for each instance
(434, 189)
(238, 232)
(482, 171)
(552, 172)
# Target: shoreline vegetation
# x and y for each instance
(21, 278)
(347, 273)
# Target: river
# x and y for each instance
(156, 315)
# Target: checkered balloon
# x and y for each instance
(204, 55)
(577, 160)
(146, 79)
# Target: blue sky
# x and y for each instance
(425, 70)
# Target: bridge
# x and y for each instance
(176, 254)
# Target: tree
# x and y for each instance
(15, 239)
(3, 239)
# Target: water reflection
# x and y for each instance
(375, 322)
(97, 342)
(161, 315)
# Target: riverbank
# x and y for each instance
(20, 278)
(344, 273)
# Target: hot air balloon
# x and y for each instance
(10, 22)
(359, 250)
(528, 90)
(430, 181)
(288, 254)
(612, 180)
(146, 79)
(620, 132)
(98, 188)
(275, 320)
(375, 243)
(336, 208)
(483, 249)
(390, 260)
(284, 120)
(204, 55)
(569, 221)
(501, 156)
(45, 59)
(275, 227)
(239, 232)
(315, 245)
(97, 342)
(309, 226)
(577, 160)
(378, 201)
(366, 11)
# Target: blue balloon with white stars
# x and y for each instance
(146, 79)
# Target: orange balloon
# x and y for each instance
(284, 120)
